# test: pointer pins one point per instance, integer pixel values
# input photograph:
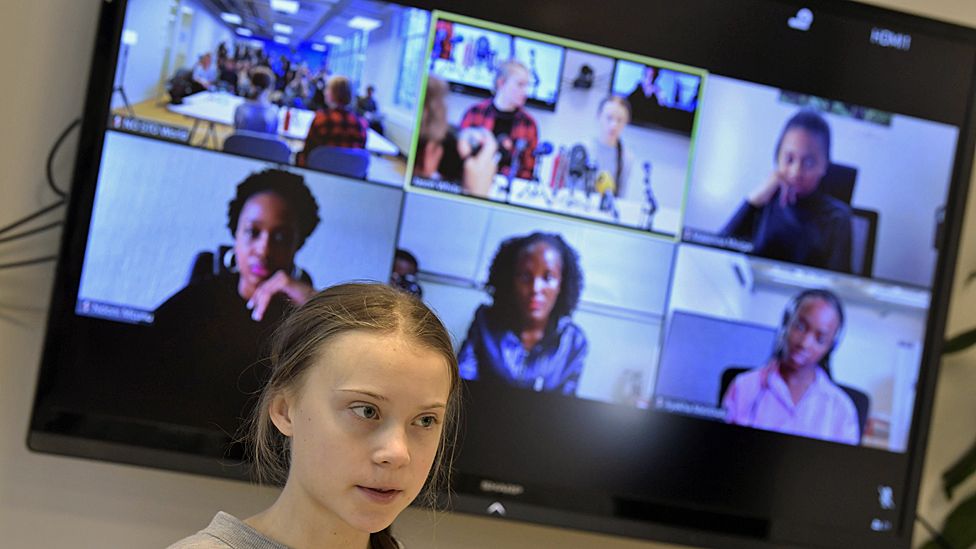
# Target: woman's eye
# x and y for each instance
(282, 238)
(366, 411)
(427, 422)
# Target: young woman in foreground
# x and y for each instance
(355, 420)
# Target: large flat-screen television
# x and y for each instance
(697, 296)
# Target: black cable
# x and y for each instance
(938, 538)
(30, 232)
(50, 181)
(28, 262)
(50, 157)
(29, 217)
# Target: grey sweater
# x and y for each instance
(227, 532)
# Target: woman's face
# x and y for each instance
(802, 160)
(538, 279)
(810, 333)
(365, 426)
(613, 118)
(266, 238)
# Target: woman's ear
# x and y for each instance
(280, 410)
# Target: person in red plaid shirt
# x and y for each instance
(335, 125)
(505, 116)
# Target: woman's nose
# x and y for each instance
(538, 284)
(260, 244)
(393, 449)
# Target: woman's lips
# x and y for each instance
(798, 356)
(260, 270)
(379, 495)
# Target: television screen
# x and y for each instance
(658, 96)
(468, 57)
(696, 262)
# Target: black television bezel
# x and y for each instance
(673, 524)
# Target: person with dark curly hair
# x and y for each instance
(216, 325)
(527, 337)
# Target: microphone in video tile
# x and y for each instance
(560, 166)
(543, 149)
(476, 139)
(607, 187)
(578, 168)
(517, 149)
(650, 203)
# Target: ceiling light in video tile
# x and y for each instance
(231, 18)
(285, 6)
(363, 23)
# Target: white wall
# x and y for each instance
(382, 70)
(207, 33)
(51, 501)
(150, 20)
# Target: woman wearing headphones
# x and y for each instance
(793, 393)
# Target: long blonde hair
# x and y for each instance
(370, 307)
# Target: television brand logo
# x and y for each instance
(502, 488)
(890, 39)
(802, 20)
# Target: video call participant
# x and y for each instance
(439, 153)
(607, 151)
(646, 101)
(204, 74)
(357, 420)
(368, 108)
(652, 103)
(335, 125)
(404, 273)
(527, 338)
(258, 113)
(505, 116)
(789, 217)
(794, 393)
(213, 330)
